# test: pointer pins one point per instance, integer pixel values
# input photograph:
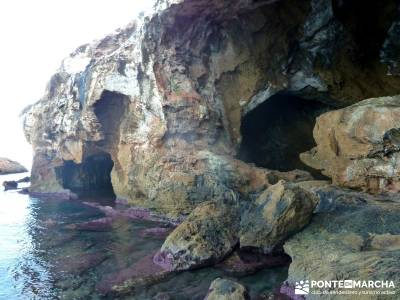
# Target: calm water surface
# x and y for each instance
(42, 258)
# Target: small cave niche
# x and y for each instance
(109, 110)
(278, 130)
(91, 177)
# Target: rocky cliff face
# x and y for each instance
(161, 101)
(189, 104)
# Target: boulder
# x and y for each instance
(208, 234)
(280, 211)
(8, 166)
(225, 289)
(359, 146)
(102, 224)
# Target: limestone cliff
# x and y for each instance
(164, 97)
(201, 107)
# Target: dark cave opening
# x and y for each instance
(92, 176)
(367, 21)
(109, 110)
(278, 130)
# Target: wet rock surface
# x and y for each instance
(205, 237)
(225, 289)
(102, 224)
(141, 274)
(242, 263)
(115, 263)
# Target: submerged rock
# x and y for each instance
(279, 212)
(78, 264)
(141, 274)
(102, 224)
(132, 213)
(8, 166)
(205, 237)
(241, 263)
(225, 289)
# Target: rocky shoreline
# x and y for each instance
(203, 112)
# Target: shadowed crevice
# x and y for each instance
(278, 130)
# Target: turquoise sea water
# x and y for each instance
(42, 258)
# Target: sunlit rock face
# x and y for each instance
(165, 97)
(8, 166)
(359, 146)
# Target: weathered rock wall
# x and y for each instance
(165, 96)
(161, 102)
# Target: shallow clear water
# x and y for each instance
(42, 258)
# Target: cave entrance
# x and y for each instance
(91, 177)
(278, 130)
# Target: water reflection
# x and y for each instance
(44, 256)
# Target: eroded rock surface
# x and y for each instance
(225, 289)
(208, 234)
(215, 228)
(358, 146)
(280, 211)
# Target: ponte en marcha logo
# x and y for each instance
(360, 287)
